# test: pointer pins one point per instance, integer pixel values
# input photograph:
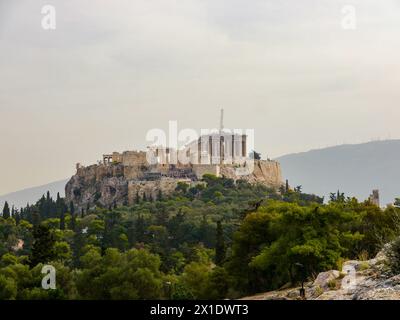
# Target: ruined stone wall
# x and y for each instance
(116, 157)
(133, 172)
(98, 172)
(120, 182)
(134, 158)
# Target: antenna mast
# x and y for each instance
(221, 123)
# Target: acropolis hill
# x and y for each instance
(122, 177)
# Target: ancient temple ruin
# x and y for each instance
(121, 177)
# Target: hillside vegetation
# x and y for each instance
(222, 240)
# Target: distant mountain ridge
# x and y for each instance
(31, 195)
(354, 169)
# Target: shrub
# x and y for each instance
(364, 266)
(332, 284)
(393, 256)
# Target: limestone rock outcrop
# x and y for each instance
(358, 280)
(121, 178)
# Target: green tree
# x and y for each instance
(8, 288)
(71, 208)
(43, 245)
(62, 220)
(6, 211)
(72, 223)
(219, 245)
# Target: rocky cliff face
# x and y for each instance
(115, 184)
(358, 280)
(266, 172)
(120, 183)
(105, 185)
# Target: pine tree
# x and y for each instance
(220, 245)
(160, 195)
(6, 211)
(144, 196)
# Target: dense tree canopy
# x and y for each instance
(223, 239)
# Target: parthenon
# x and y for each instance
(120, 177)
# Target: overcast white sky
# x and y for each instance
(112, 70)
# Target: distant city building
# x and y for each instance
(374, 197)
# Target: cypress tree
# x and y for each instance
(59, 205)
(77, 245)
(219, 246)
(140, 229)
(6, 211)
(17, 218)
(62, 220)
(71, 208)
(137, 199)
(72, 225)
(35, 218)
(162, 216)
(43, 246)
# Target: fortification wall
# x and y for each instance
(134, 158)
(99, 172)
(119, 182)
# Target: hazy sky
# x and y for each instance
(112, 70)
